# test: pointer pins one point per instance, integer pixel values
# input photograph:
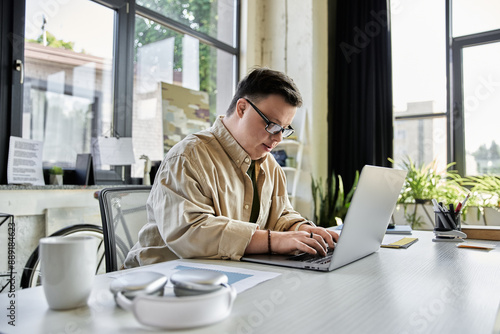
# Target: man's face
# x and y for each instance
(251, 133)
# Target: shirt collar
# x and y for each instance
(230, 145)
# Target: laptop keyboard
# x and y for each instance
(310, 258)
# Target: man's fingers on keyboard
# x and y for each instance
(320, 247)
(319, 238)
(307, 249)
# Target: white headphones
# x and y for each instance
(201, 297)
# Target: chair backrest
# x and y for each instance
(123, 214)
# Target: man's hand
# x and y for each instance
(291, 241)
(312, 240)
(329, 236)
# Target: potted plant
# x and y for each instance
(56, 175)
(422, 184)
(330, 200)
(485, 195)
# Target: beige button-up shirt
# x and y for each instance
(201, 201)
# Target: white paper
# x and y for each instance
(241, 279)
(116, 151)
(25, 164)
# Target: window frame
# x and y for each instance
(457, 115)
(454, 94)
(12, 35)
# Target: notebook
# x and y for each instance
(364, 226)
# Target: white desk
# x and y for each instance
(427, 288)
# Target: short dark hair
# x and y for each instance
(262, 82)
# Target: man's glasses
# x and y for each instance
(272, 127)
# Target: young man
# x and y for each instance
(219, 194)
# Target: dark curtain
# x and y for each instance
(360, 121)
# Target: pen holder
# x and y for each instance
(446, 221)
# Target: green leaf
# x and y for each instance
(329, 199)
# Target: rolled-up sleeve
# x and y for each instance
(190, 220)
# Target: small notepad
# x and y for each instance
(397, 242)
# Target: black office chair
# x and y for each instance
(123, 214)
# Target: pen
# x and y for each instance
(435, 205)
(460, 205)
(465, 200)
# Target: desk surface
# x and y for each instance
(427, 288)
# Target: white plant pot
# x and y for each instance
(492, 216)
(424, 213)
(471, 217)
(56, 179)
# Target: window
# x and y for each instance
(419, 80)
(92, 68)
(476, 88)
(472, 17)
(163, 55)
(213, 18)
(481, 113)
(447, 110)
(68, 77)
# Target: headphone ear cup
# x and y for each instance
(197, 282)
(139, 283)
(124, 302)
(171, 312)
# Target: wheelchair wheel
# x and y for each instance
(31, 273)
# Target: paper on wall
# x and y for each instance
(25, 162)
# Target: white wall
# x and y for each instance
(291, 36)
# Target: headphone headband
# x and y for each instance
(171, 312)
(202, 297)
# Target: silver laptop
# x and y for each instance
(364, 226)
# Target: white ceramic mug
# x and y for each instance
(68, 266)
